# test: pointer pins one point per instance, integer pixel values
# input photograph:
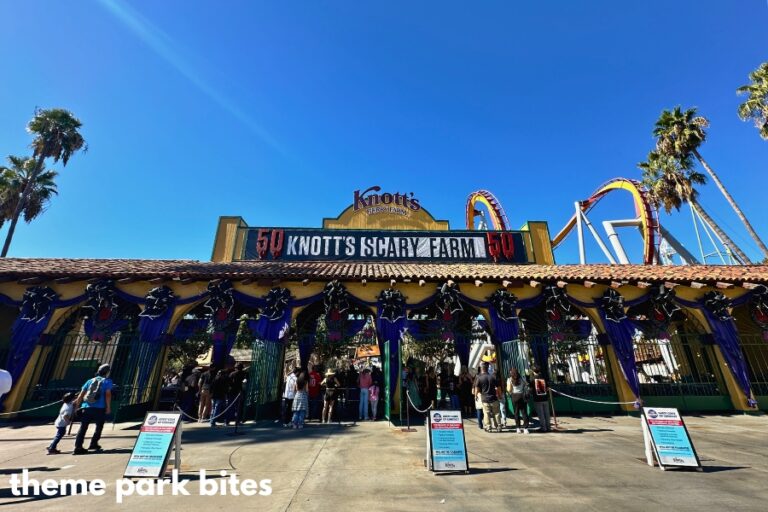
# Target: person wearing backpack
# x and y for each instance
(95, 401)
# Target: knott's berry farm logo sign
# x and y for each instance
(372, 203)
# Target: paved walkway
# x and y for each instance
(592, 464)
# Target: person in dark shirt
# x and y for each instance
(219, 391)
(235, 394)
(488, 388)
(191, 390)
(541, 398)
(331, 387)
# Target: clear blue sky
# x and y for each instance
(277, 111)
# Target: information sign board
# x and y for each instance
(671, 443)
(445, 441)
(153, 445)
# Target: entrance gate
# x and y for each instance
(66, 362)
(262, 394)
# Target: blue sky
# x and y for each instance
(277, 111)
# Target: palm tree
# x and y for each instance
(756, 105)
(670, 182)
(57, 136)
(13, 180)
(680, 134)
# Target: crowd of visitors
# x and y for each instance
(208, 394)
(311, 394)
(484, 394)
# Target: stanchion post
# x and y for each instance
(552, 405)
(407, 413)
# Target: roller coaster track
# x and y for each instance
(498, 216)
(649, 222)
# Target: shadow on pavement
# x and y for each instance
(717, 469)
(264, 431)
(582, 430)
(7, 471)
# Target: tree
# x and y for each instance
(57, 136)
(756, 105)
(680, 135)
(13, 180)
(670, 182)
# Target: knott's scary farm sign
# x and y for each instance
(296, 244)
(373, 203)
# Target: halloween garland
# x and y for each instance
(613, 305)
(392, 303)
(277, 300)
(718, 305)
(505, 304)
(37, 303)
(157, 302)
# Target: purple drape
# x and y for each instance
(621, 335)
(540, 349)
(462, 348)
(727, 338)
(153, 330)
(189, 327)
(25, 334)
(504, 330)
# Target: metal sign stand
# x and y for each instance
(176, 450)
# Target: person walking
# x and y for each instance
(95, 402)
(66, 413)
(300, 401)
(479, 410)
(191, 392)
(541, 399)
(373, 396)
(313, 393)
(219, 391)
(204, 409)
(235, 394)
(331, 386)
(517, 388)
(364, 382)
(490, 391)
(465, 392)
(288, 394)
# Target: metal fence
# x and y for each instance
(755, 348)
(680, 365)
(264, 389)
(67, 362)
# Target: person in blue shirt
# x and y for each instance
(95, 401)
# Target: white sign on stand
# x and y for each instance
(152, 449)
(667, 439)
(446, 446)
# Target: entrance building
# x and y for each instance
(692, 337)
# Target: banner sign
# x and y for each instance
(152, 448)
(445, 441)
(304, 244)
(671, 442)
(367, 351)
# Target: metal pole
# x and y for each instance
(580, 234)
(698, 237)
(598, 239)
(613, 237)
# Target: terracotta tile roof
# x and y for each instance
(16, 268)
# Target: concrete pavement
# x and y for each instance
(591, 464)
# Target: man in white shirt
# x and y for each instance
(288, 394)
